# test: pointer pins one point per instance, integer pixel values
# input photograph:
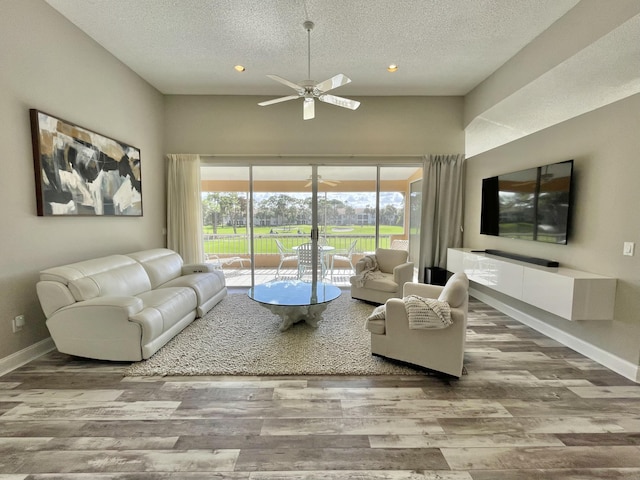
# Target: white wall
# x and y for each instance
(48, 64)
(381, 126)
(605, 145)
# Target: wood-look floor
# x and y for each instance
(528, 408)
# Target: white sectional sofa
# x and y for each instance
(125, 307)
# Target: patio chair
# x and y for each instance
(305, 259)
(285, 256)
(220, 262)
(346, 257)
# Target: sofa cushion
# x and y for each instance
(388, 258)
(384, 283)
(125, 280)
(377, 326)
(75, 271)
(173, 304)
(206, 285)
(456, 291)
(161, 264)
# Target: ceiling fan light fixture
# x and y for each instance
(393, 67)
(239, 68)
(309, 90)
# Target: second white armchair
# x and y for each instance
(381, 276)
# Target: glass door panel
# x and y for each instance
(225, 195)
(398, 213)
(282, 216)
(346, 216)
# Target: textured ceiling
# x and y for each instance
(443, 47)
(522, 65)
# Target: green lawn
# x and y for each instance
(264, 241)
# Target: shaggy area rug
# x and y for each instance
(240, 337)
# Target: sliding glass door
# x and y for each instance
(258, 218)
(283, 222)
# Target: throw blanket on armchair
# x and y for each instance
(369, 270)
(425, 313)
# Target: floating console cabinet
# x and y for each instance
(570, 294)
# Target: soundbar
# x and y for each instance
(523, 258)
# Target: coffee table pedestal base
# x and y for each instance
(311, 314)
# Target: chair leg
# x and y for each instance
(278, 269)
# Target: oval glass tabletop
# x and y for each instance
(294, 293)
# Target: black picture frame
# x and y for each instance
(79, 172)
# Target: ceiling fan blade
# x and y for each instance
(333, 82)
(309, 109)
(331, 183)
(286, 82)
(339, 101)
(278, 100)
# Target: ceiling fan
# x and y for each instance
(309, 90)
(331, 183)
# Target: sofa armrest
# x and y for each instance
(197, 268)
(119, 306)
(422, 290)
(99, 328)
(395, 311)
(397, 318)
(53, 296)
(403, 273)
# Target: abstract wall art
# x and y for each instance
(80, 172)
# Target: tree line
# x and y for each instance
(230, 209)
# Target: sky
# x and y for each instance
(355, 199)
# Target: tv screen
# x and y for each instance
(532, 204)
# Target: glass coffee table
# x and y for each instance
(295, 301)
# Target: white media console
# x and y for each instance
(570, 294)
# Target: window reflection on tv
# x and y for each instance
(531, 204)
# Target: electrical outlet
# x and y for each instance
(628, 249)
(18, 323)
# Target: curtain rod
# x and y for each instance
(312, 155)
(317, 159)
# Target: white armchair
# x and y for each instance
(439, 349)
(392, 271)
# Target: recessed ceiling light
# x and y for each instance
(239, 68)
(392, 68)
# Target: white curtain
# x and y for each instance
(442, 194)
(184, 207)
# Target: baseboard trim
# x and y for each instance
(613, 362)
(24, 356)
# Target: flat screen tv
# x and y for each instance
(532, 204)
